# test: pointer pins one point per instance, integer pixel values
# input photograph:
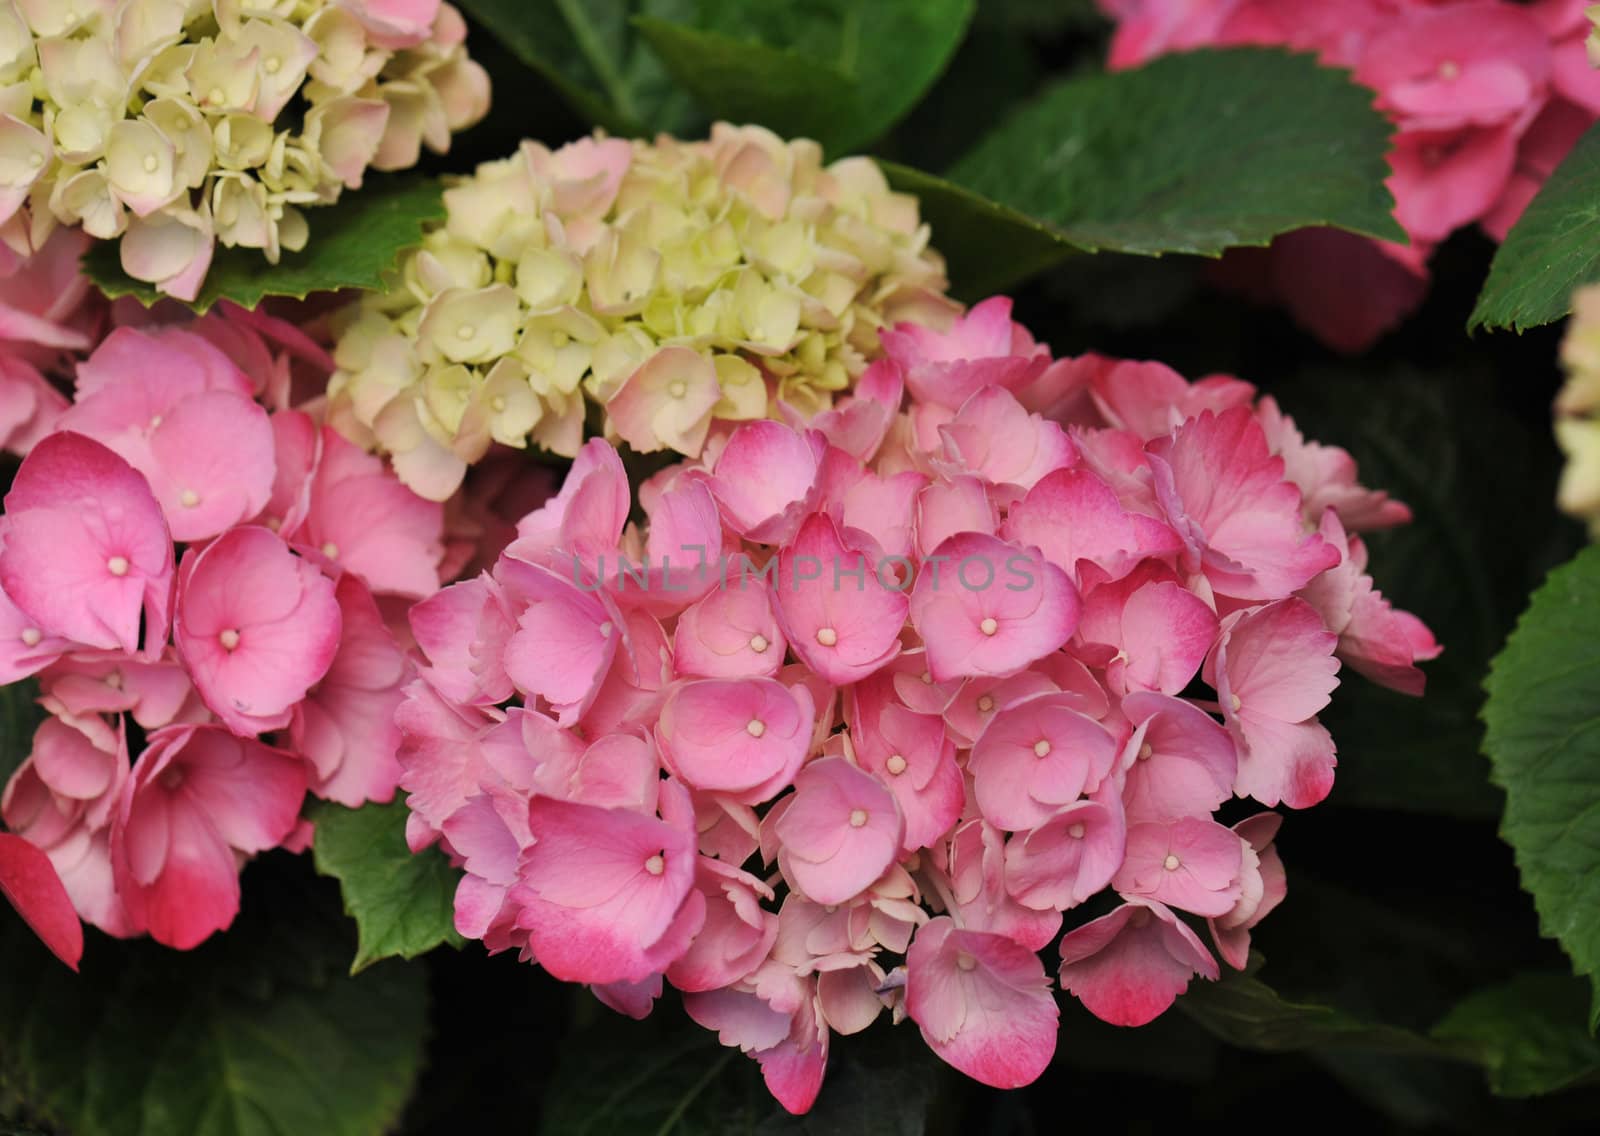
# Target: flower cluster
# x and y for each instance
(868, 704)
(1577, 411)
(174, 124)
(674, 283)
(195, 581)
(1488, 97)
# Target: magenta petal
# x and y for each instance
(31, 884)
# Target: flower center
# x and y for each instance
(858, 817)
(985, 704)
(1145, 751)
(1449, 69)
(31, 636)
(117, 565)
(827, 636)
(466, 331)
(229, 638)
(989, 626)
(1171, 862)
(755, 727)
(678, 388)
(151, 163)
(1076, 832)
(758, 643)
(1041, 748)
(189, 498)
(966, 961)
(656, 864)
(330, 550)
(896, 764)
(1234, 700)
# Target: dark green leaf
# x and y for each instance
(1193, 153)
(353, 244)
(1529, 1034)
(227, 1040)
(989, 246)
(403, 905)
(589, 51)
(1244, 1011)
(1543, 741)
(1551, 251)
(622, 1080)
(832, 70)
(668, 1078)
(841, 73)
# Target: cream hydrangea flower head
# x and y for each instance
(667, 283)
(175, 124)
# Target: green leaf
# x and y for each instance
(675, 1080)
(589, 51)
(403, 905)
(832, 70)
(353, 244)
(1553, 250)
(624, 1080)
(1244, 1011)
(1529, 1034)
(237, 1038)
(1192, 153)
(839, 72)
(1543, 741)
(988, 246)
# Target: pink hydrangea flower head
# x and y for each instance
(87, 553)
(257, 627)
(982, 1002)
